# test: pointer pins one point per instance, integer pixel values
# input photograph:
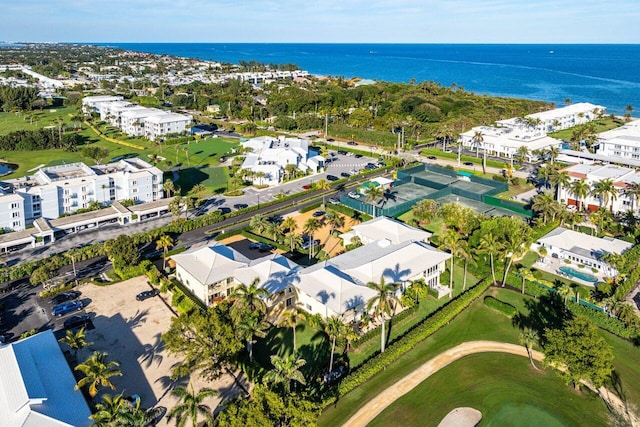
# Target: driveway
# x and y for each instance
(130, 332)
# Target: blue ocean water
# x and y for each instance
(607, 75)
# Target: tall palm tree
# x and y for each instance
(107, 411)
(334, 328)
(383, 304)
(545, 204)
(523, 153)
(565, 291)
(463, 253)
(285, 370)
(335, 221)
(76, 341)
(310, 227)
(97, 371)
(477, 139)
(289, 224)
(529, 338)
(164, 242)
(606, 191)
(451, 242)
(632, 191)
(191, 407)
(580, 189)
(249, 299)
(291, 318)
(274, 231)
(169, 187)
(323, 185)
(292, 239)
(248, 326)
(514, 248)
(258, 223)
(560, 180)
(490, 245)
(135, 416)
(374, 193)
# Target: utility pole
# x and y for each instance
(326, 127)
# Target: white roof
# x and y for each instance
(333, 288)
(273, 272)
(211, 264)
(390, 229)
(584, 244)
(37, 386)
(168, 117)
(569, 110)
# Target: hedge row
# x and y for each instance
(405, 344)
(500, 306)
(604, 321)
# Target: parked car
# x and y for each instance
(343, 152)
(334, 201)
(265, 247)
(66, 307)
(431, 157)
(133, 400)
(349, 153)
(468, 163)
(352, 143)
(240, 206)
(354, 171)
(345, 174)
(370, 166)
(307, 244)
(332, 178)
(65, 296)
(318, 214)
(306, 187)
(358, 156)
(254, 245)
(77, 321)
(353, 195)
(147, 294)
(381, 164)
(275, 219)
(336, 374)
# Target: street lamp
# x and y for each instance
(258, 201)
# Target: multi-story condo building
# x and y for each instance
(622, 142)
(558, 118)
(63, 189)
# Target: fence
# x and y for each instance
(505, 204)
(574, 299)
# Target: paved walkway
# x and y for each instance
(375, 406)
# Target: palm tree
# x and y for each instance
(383, 303)
(323, 185)
(545, 204)
(333, 327)
(560, 180)
(374, 193)
(523, 153)
(606, 191)
(553, 152)
(135, 416)
(565, 291)
(97, 372)
(490, 245)
(529, 338)
(249, 299)
(632, 191)
(76, 341)
(289, 224)
(274, 231)
(293, 240)
(258, 223)
(251, 325)
(107, 411)
(285, 369)
(290, 319)
(164, 242)
(451, 242)
(514, 248)
(191, 406)
(335, 221)
(311, 226)
(169, 187)
(580, 189)
(463, 253)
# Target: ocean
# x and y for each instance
(606, 75)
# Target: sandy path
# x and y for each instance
(380, 402)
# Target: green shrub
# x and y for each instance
(51, 292)
(500, 306)
(603, 320)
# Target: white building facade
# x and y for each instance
(621, 143)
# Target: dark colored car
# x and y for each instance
(318, 214)
(240, 206)
(254, 245)
(332, 178)
(330, 140)
(77, 321)
(370, 166)
(358, 156)
(224, 210)
(345, 174)
(65, 296)
(66, 307)
(275, 219)
(265, 247)
(147, 294)
(342, 152)
(352, 143)
(431, 157)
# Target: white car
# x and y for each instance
(354, 195)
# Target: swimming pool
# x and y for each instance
(578, 274)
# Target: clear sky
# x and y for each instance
(342, 21)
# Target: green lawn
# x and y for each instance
(505, 388)
(11, 122)
(476, 323)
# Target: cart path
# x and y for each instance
(376, 405)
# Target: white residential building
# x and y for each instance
(558, 118)
(64, 189)
(621, 143)
(37, 387)
(385, 228)
(621, 178)
(506, 141)
(583, 249)
(270, 156)
(136, 120)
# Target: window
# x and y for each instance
(289, 302)
(14, 205)
(16, 214)
(16, 224)
(308, 307)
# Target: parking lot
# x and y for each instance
(130, 332)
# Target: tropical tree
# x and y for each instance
(632, 191)
(107, 411)
(274, 231)
(529, 338)
(580, 189)
(135, 416)
(323, 185)
(291, 318)
(523, 153)
(97, 372)
(258, 223)
(565, 291)
(546, 205)
(191, 406)
(310, 227)
(514, 248)
(383, 304)
(292, 240)
(169, 187)
(164, 242)
(249, 299)
(425, 210)
(334, 328)
(451, 242)
(335, 221)
(490, 245)
(76, 341)
(249, 325)
(605, 191)
(560, 180)
(463, 253)
(374, 193)
(477, 139)
(285, 370)
(289, 225)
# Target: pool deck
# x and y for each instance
(552, 265)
